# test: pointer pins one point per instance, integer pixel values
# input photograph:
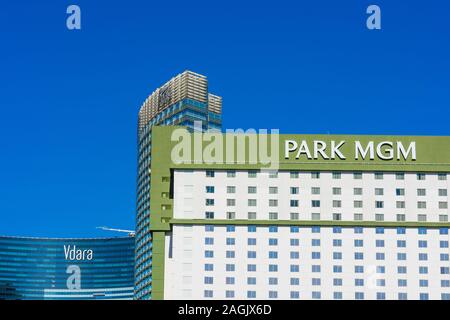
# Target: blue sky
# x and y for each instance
(69, 99)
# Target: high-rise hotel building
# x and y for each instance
(341, 217)
(181, 101)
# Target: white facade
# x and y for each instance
(304, 262)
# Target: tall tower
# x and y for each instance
(181, 101)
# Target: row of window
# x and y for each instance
(316, 255)
(335, 190)
(293, 203)
(318, 295)
(316, 175)
(317, 229)
(229, 267)
(337, 282)
(316, 216)
(379, 243)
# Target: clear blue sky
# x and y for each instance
(69, 99)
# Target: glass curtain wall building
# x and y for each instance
(181, 101)
(66, 269)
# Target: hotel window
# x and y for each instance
(379, 191)
(252, 174)
(315, 175)
(400, 176)
(251, 294)
(400, 204)
(231, 215)
(400, 192)
(231, 174)
(442, 176)
(337, 191)
(273, 190)
(230, 254)
(379, 217)
(294, 216)
(251, 202)
(315, 242)
(273, 203)
(337, 216)
(337, 203)
(251, 254)
(316, 295)
(209, 215)
(209, 267)
(273, 281)
(315, 190)
(295, 295)
(358, 242)
(209, 241)
(378, 175)
(442, 192)
(210, 173)
(421, 176)
(421, 205)
(294, 203)
(294, 174)
(251, 189)
(401, 217)
(443, 205)
(315, 203)
(421, 217)
(337, 282)
(358, 217)
(402, 270)
(357, 191)
(357, 204)
(273, 174)
(229, 280)
(231, 202)
(379, 204)
(251, 241)
(273, 215)
(315, 216)
(231, 228)
(231, 241)
(315, 268)
(273, 268)
(251, 281)
(336, 175)
(229, 294)
(421, 192)
(357, 175)
(315, 281)
(337, 269)
(294, 190)
(273, 294)
(209, 202)
(359, 295)
(443, 218)
(251, 215)
(231, 189)
(208, 293)
(209, 189)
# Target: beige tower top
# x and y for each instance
(185, 85)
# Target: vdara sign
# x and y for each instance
(73, 253)
(318, 149)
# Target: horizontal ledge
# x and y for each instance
(330, 223)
